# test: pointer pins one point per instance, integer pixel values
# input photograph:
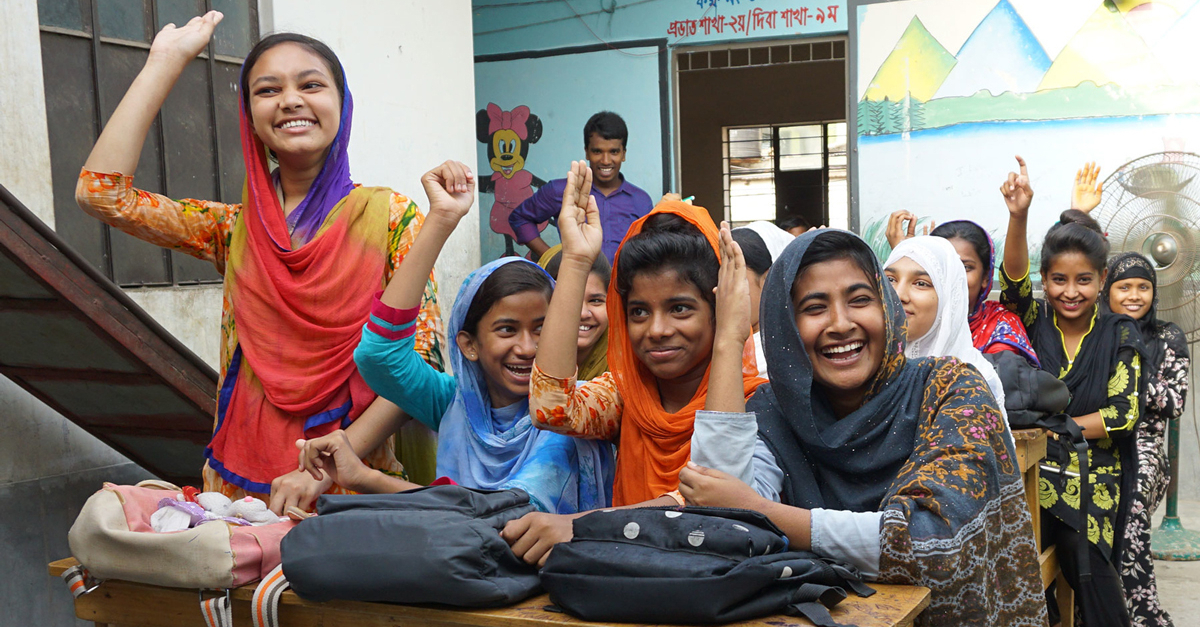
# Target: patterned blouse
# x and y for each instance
(1059, 492)
(203, 229)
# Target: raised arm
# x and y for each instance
(451, 191)
(1017, 195)
(582, 236)
(120, 144)
(726, 392)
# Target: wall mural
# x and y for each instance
(508, 136)
(944, 104)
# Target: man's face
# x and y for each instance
(605, 157)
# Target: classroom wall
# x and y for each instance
(409, 66)
(566, 61)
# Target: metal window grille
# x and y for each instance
(755, 156)
(761, 54)
(91, 52)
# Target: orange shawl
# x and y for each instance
(655, 444)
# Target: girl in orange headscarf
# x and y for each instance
(662, 312)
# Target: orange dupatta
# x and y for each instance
(654, 444)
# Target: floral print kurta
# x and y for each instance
(203, 228)
(1166, 390)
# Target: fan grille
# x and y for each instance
(1152, 206)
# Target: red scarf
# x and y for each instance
(299, 316)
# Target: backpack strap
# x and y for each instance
(812, 601)
(217, 611)
(264, 608)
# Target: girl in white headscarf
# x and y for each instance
(761, 243)
(928, 275)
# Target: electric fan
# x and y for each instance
(1152, 206)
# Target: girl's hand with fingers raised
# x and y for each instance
(1017, 192)
(579, 222)
(1087, 192)
(732, 291)
(184, 43)
(450, 188)
(896, 231)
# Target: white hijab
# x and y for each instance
(774, 237)
(950, 335)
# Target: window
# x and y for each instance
(91, 52)
(778, 170)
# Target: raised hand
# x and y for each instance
(579, 222)
(1086, 193)
(450, 188)
(182, 44)
(1018, 194)
(896, 231)
(732, 290)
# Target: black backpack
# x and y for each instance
(692, 565)
(438, 544)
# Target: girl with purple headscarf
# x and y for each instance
(302, 256)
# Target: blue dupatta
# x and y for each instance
(494, 449)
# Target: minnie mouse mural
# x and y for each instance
(508, 135)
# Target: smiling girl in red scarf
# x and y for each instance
(302, 255)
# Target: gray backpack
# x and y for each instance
(439, 544)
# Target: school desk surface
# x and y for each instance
(121, 604)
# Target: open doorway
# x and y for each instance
(762, 132)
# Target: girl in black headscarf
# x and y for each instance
(1132, 290)
(899, 467)
(1099, 356)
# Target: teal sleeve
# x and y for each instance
(396, 372)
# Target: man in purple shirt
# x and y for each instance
(620, 202)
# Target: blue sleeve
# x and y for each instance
(396, 372)
(544, 204)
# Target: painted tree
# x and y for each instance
(912, 113)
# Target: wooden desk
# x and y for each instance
(125, 604)
(1031, 450)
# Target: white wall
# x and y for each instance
(410, 66)
(24, 139)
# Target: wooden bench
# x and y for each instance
(126, 604)
(1031, 450)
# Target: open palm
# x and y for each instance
(183, 43)
(579, 222)
(1086, 193)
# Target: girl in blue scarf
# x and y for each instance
(481, 413)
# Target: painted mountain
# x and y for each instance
(1106, 50)
(1000, 55)
(917, 65)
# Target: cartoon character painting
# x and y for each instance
(508, 135)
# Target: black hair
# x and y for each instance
(833, 245)
(608, 125)
(600, 267)
(1075, 232)
(754, 249)
(969, 232)
(668, 242)
(511, 278)
(315, 46)
(790, 222)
